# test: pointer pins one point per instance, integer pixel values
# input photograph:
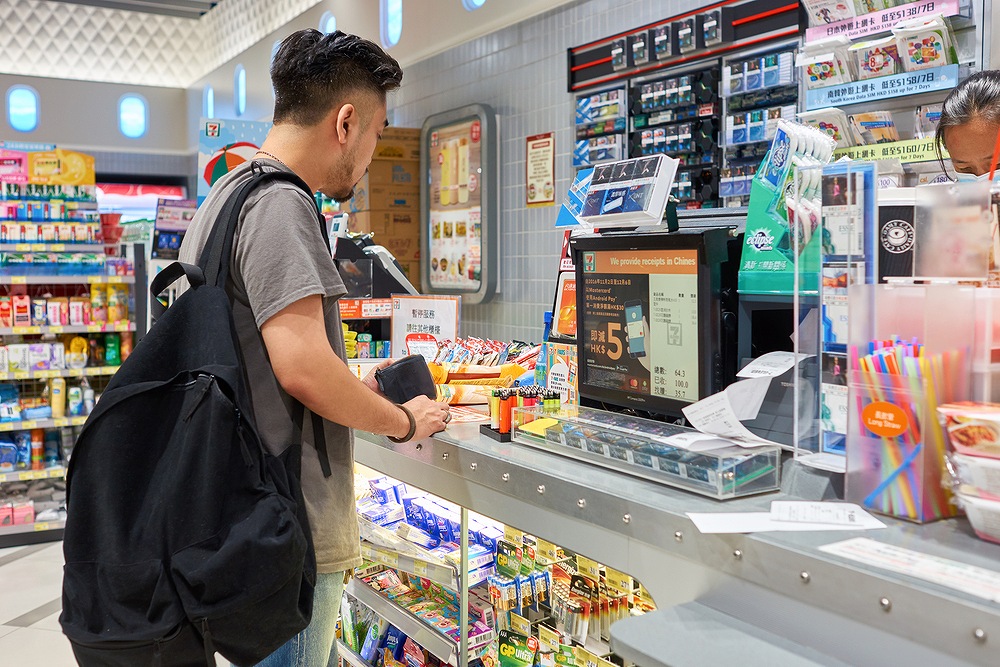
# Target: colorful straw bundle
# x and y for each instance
(903, 375)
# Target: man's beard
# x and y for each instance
(340, 174)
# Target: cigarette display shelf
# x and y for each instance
(411, 625)
(66, 280)
(56, 472)
(644, 448)
(777, 584)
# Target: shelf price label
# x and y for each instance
(24, 477)
(389, 558)
(513, 535)
(520, 624)
(591, 568)
(22, 247)
(549, 639)
(899, 85)
(882, 21)
(28, 425)
(39, 527)
(60, 423)
(116, 280)
(19, 280)
(420, 568)
(57, 329)
(546, 550)
(95, 328)
(619, 581)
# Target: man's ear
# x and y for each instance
(346, 120)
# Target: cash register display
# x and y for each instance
(640, 325)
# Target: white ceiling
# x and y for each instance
(188, 9)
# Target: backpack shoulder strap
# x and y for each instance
(215, 262)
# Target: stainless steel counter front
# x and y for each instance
(778, 582)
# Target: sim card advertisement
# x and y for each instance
(639, 323)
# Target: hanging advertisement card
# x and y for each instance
(540, 170)
(224, 145)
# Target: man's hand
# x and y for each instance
(370, 381)
(431, 417)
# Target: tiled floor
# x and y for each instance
(30, 590)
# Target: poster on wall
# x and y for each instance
(456, 206)
(224, 145)
(640, 321)
(540, 170)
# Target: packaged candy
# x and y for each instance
(875, 58)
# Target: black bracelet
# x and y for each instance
(413, 426)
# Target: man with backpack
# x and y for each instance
(330, 109)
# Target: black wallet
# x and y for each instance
(406, 379)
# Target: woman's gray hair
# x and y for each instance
(976, 98)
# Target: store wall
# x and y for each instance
(84, 115)
(521, 72)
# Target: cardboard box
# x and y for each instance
(394, 172)
(371, 195)
(398, 143)
(401, 223)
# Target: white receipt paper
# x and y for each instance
(788, 516)
(771, 364)
(720, 414)
(969, 579)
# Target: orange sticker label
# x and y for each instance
(885, 419)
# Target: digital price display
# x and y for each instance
(640, 322)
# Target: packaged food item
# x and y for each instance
(973, 428)
(39, 312)
(37, 449)
(98, 304)
(832, 122)
(126, 345)
(875, 58)
(983, 513)
(21, 306)
(925, 43)
(112, 349)
(6, 312)
(873, 127)
(79, 311)
(117, 303)
(58, 311)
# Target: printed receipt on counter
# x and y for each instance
(718, 416)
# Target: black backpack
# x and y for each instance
(183, 536)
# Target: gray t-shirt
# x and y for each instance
(279, 258)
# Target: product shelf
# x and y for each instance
(436, 572)
(67, 280)
(28, 425)
(120, 327)
(57, 472)
(93, 371)
(36, 527)
(412, 626)
(350, 657)
(52, 247)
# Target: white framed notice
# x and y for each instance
(420, 323)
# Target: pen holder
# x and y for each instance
(896, 448)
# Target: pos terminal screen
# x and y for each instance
(639, 324)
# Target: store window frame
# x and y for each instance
(390, 22)
(240, 90)
(14, 90)
(125, 127)
(472, 5)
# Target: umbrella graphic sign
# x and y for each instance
(223, 145)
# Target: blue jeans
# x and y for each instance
(316, 646)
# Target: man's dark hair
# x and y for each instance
(312, 72)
